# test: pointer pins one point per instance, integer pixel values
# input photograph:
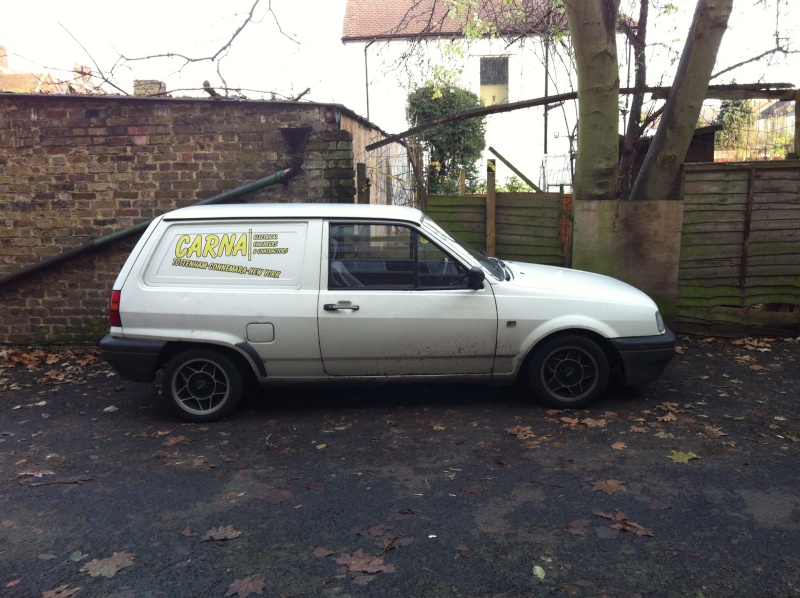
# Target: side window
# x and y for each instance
(388, 256)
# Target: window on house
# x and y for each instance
(494, 80)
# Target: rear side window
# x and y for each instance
(225, 253)
(389, 256)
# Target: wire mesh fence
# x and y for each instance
(753, 130)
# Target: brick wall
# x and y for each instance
(74, 168)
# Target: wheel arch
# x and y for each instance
(614, 361)
(242, 358)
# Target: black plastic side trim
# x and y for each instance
(255, 357)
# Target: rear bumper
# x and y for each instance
(134, 360)
(644, 358)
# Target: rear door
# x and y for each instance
(392, 303)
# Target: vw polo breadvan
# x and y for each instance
(216, 295)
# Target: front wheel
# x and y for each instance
(568, 371)
(202, 385)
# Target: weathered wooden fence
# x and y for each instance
(528, 225)
(740, 248)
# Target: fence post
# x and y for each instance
(796, 124)
(491, 203)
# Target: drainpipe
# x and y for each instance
(296, 140)
(366, 74)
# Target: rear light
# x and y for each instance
(113, 311)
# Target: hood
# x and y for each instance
(568, 281)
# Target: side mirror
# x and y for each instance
(475, 278)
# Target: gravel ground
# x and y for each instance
(688, 486)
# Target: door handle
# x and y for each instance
(336, 307)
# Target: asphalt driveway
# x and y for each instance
(689, 486)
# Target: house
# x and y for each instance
(402, 44)
(79, 80)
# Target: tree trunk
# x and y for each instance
(593, 26)
(658, 177)
(637, 37)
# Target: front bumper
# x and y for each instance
(644, 358)
(133, 359)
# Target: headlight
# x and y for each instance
(660, 322)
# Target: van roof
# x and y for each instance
(296, 210)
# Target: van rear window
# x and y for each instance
(259, 253)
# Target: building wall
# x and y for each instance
(76, 168)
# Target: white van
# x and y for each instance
(320, 292)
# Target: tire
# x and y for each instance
(202, 385)
(568, 371)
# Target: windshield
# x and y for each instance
(492, 265)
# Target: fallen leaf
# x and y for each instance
(538, 572)
(108, 567)
(438, 427)
(618, 446)
(594, 423)
(173, 440)
(63, 591)
(609, 486)
(364, 562)
(682, 457)
(246, 587)
(571, 421)
(323, 552)
(578, 526)
(639, 430)
(521, 432)
(669, 417)
(224, 532)
(621, 522)
(321, 446)
(110, 409)
(712, 432)
(275, 496)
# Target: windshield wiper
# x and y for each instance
(503, 267)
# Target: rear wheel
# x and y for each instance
(202, 385)
(568, 371)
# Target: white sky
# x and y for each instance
(36, 34)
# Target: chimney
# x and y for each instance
(148, 87)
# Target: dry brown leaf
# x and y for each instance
(609, 486)
(578, 526)
(223, 532)
(618, 446)
(571, 421)
(276, 496)
(639, 429)
(594, 423)
(108, 567)
(363, 562)
(521, 432)
(621, 522)
(668, 417)
(173, 440)
(247, 586)
(63, 591)
(712, 432)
